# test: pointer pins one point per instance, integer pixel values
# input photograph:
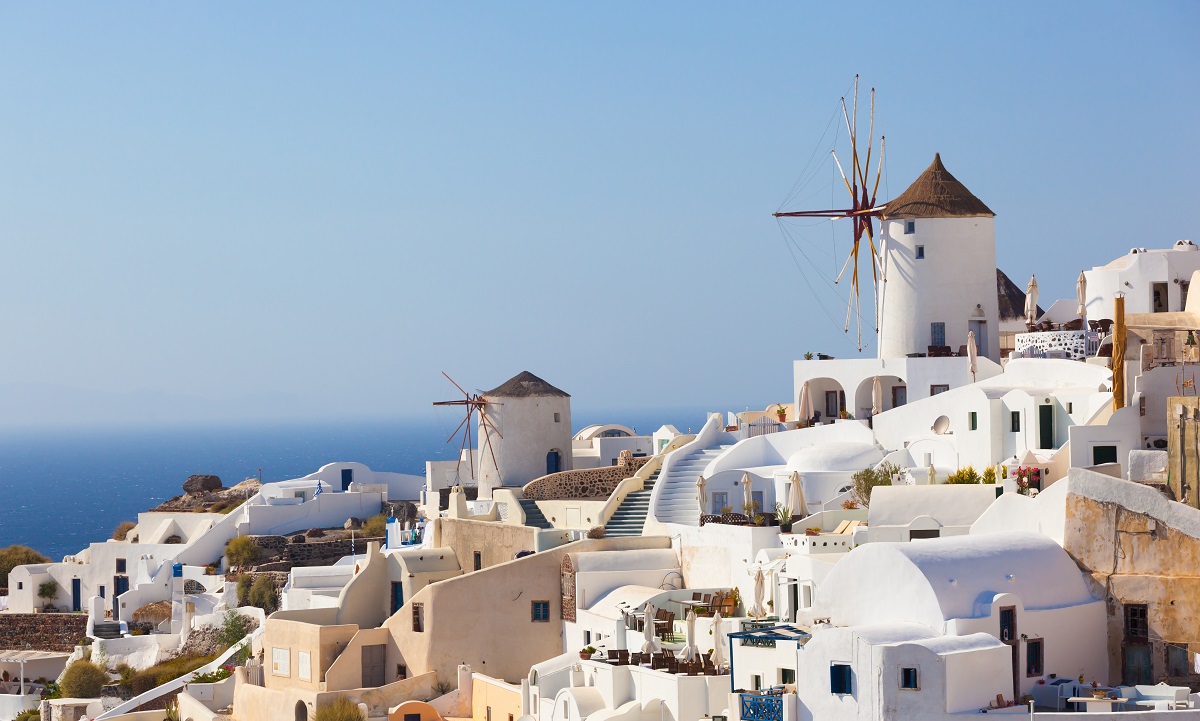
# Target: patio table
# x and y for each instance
(1103, 704)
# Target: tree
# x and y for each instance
(242, 551)
(868, 478)
(121, 532)
(14, 556)
(48, 591)
(233, 628)
(84, 679)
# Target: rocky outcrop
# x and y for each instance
(201, 483)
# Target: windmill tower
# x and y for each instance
(528, 430)
(939, 264)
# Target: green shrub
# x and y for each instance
(262, 594)
(29, 714)
(242, 551)
(230, 506)
(233, 628)
(121, 532)
(212, 676)
(868, 478)
(989, 475)
(342, 709)
(165, 671)
(83, 679)
(243, 589)
(48, 590)
(375, 526)
(14, 556)
(52, 690)
(962, 476)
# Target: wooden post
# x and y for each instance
(1118, 354)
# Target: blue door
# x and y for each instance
(347, 478)
(120, 585)
(553, 462)
(397, 596)
(76, 593)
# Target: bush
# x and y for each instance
(242, 551)
(962, 476)
(233, 628)
(342, 709)
(989, 475)
(121, 532)
(14, 556)
(160, 673)
(29, 714)
(262, 594)
(868, 478)
(243, 589)
(596, 532)
(375, 526)
(83, 679)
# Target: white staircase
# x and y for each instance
(676, 502)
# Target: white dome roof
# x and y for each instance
(836, 456)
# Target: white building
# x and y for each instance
(1153, 281)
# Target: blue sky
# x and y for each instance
(304, 209)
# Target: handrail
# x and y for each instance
(637, 481)
(705, 437)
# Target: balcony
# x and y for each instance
(753, 707)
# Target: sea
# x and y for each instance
(62, 489)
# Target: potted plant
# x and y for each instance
(759, 519)
(586, 652)
(784, 516)
(814, 531)
(808, 355)
(781, 411)
(1098, 692)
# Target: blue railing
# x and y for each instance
(761, 708)
(758, 642)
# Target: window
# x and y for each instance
(587, 638)
(720, 499)
(1177, 661)
(1015, 421)
(478, 560)
(401, 671)
(938, 388)
(756, 681)
(539, 611)
(412, 717)
(1070, 408)
(418, 617)
(102, 592)
(280, 661)
(839, 678)
(1034, 652)
(973, 420)
(910, 227)
(304, 666)
(920, 252)
(909, 679)
(937, 333)
(20, 585)
(1104, 454)
(919, 533)
(787, 675)
(1135, 621)
(557, 418)
(120, 565)
(1008, 623)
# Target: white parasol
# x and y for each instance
(797, 505)
(760, 592)
(1031, 298)
(652, 644)
(1081, 294)
(689, 651)
(876, 397)
(972, 353)
(932, 474)
(748, 493)
(804, 411)
(718, 629)
(701, 493)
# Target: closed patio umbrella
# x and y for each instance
(804, 412)
(1081, 294)
(718, 657)
(797, 505)
(876, 397)
(702, 493)
(620, 639)
(652, 644)
(972, 353)
(748, 493)
(760, 592)
(689, 651)
(1031, 298)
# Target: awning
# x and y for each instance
(26, 656)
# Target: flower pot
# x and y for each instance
(585, 656)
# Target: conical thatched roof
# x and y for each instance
(525, 385)
(1012, 298)
(936, 194)
(156, 612)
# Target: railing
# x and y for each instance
(1069, 344)
(762, 427)
(758, 642)
(761, 708)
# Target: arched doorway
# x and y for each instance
(895, 394)
(553, 462)
(301, 711)
(828, 398)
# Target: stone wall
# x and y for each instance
(281, 554)
(42, 631)
(586, 483)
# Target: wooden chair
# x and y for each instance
(962, 351)
(1076, 324)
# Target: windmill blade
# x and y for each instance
(878, 173)
(452, 403)
(843, 173)
(460, 388)
(459, 428)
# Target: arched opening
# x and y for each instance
(828, 398)
(553, 462)
(893, 390)
(301, 711)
